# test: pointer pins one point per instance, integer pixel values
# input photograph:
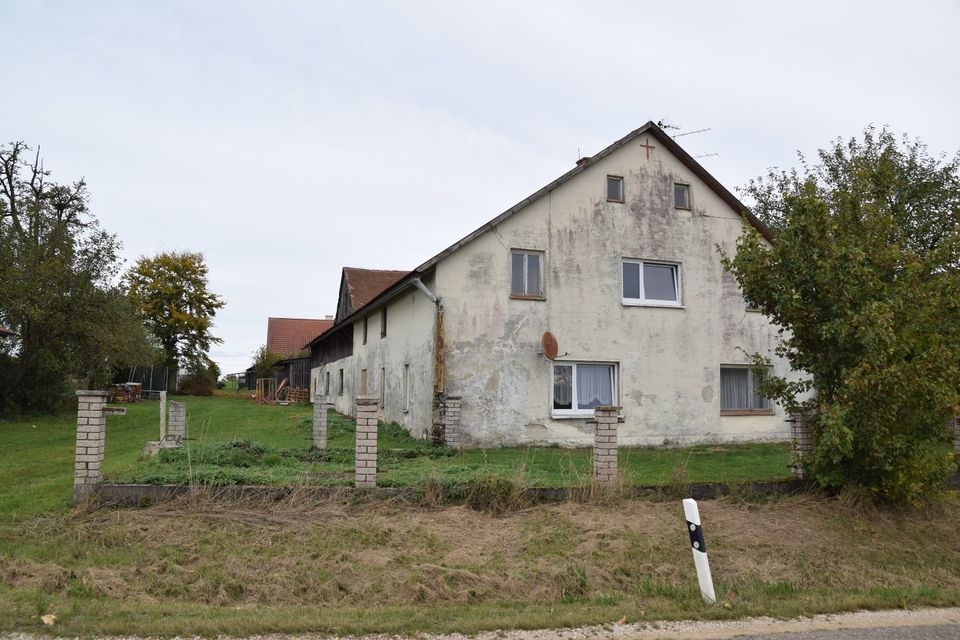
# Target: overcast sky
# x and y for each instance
(288, 139)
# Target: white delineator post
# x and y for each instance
(365, 465)
(699, 548)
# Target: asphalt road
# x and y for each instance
(933, 632)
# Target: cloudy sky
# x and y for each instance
(288, 139)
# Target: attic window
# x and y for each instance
(681, 195)
(614, 189)
(526, 275)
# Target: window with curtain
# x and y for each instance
(739, 391)
(578, 387)
(651, 283)
(526, 274)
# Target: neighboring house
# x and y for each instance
(286, 338)
(618, 259)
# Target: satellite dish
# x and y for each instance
(549, 344)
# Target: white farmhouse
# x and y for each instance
(617, 259)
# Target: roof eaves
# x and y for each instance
(380, 298)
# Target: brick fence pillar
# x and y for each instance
(801, 439)
(177, 424)
(451, 421)
(365, 465)
(321, 407)
(605, 420)
(91, 429)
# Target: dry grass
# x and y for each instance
(787, 555)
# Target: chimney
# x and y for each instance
(583, 160)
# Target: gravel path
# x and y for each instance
(919, 624)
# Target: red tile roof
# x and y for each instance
(286, 336)
(364, 285)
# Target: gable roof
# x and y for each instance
(649, 128)
(286, 336)
(363, 285)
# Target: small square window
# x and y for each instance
(651, 283)
(614, 189)
(526, 274)
(681, 195)
(739, 391)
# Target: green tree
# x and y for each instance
(864, 279)
(58, 271)
(263, 361)
(171, 293)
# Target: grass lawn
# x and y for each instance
(353, 565)
(36, 470)
(344, 567)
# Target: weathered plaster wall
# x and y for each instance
(668, 358)
(409, 340)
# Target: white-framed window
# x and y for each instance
(681, 195)
(615, 188)
(526, 273)
(739, 391)
(578, 387)
(651, 283)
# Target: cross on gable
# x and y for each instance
(646, 145)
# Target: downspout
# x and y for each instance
(438, 363)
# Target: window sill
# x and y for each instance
(747, 412)
(580, 416)
(748, 310)
(517, 296)
(614, 200)
(641, 303)
(682, 208)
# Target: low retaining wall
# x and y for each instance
(142, 495)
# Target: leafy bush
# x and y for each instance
(864, 277)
